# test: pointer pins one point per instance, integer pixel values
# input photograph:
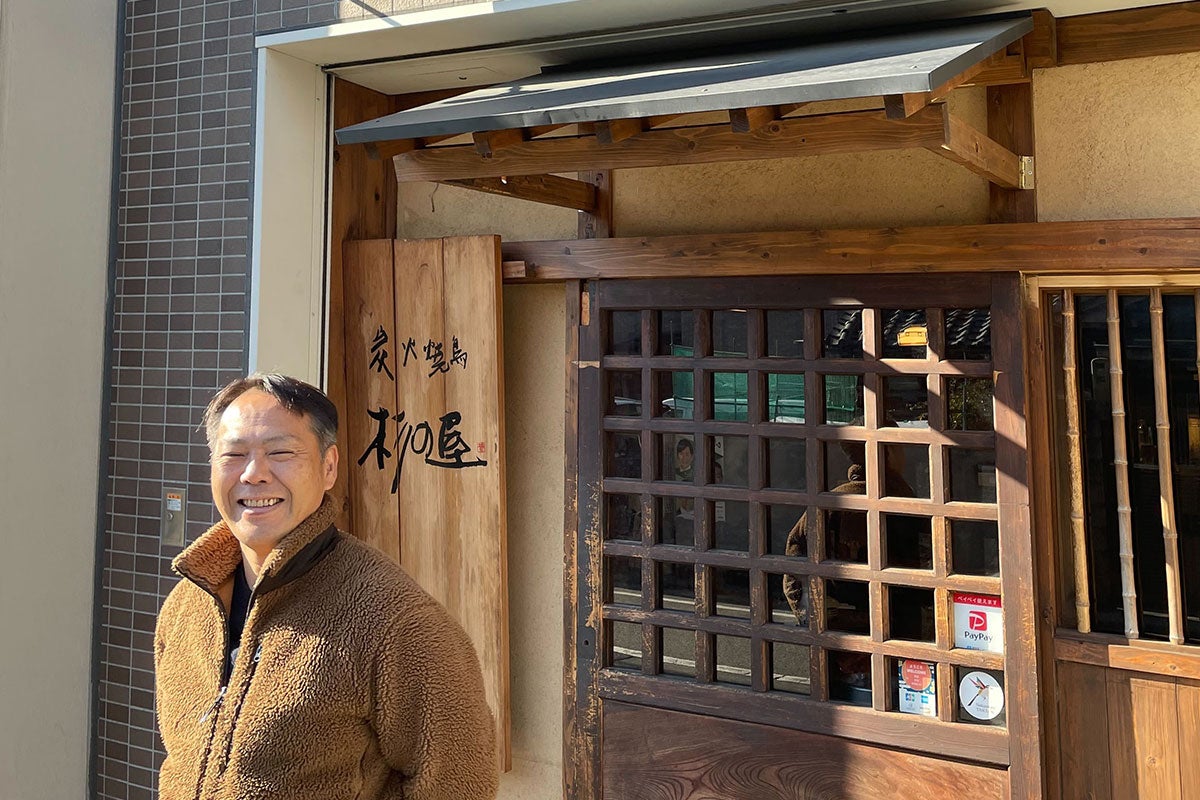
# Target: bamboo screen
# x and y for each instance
(1130, 402)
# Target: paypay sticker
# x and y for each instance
(978, 622)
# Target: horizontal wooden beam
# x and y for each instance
(549, 189)
(1042, 247)
(982, 155)
(1133, 33)
(848, 132)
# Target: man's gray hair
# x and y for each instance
(293, 394)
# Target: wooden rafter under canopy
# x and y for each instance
(628, 116)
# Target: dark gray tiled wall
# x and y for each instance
(179, 323)
(180, 311)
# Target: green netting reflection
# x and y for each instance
(784, 400)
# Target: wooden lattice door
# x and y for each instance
(789, 488)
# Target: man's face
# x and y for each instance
(268, 471)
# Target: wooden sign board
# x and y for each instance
(425, 401)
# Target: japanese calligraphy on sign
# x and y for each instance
(433, 352)
(447, 450)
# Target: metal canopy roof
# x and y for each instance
(879, 63)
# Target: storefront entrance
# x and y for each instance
(804, 538)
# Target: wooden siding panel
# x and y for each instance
(370, 389)
(670, 755)
(1188, 697)
(1143, 736)
(1083, 732)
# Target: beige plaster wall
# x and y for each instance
(56, 96)
(535, 383)
(1119, 139)
(853, 190)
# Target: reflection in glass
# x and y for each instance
(785, 398)
(850, 677)
(677, 457)
(675, 394)
(974, 547)
(624, 456)
(785, 531)
(787, 464)
(788, 595)
(909, 541)
(906, 401)
(676, 521)
(911, 613)
(846, 535)
(843, 400)
(1145, 491)
(733, 660)
(729, 457)
(729, 333)
(1096, 439)
(847, 607)
(789, 668)
(625, 333)
(624, 579)
(905, 333)
(1179, 323)
(843, 333)
(676, 332)
(785, 334)
(968, 334)
(678, 652)
(730, 391)
(625, 646)
(731, 525)
(845, 472)
(731, 591)
(623, 517)
(969, 404)
(973, 476)
(906, 470)
(624, 393)
(677, 582)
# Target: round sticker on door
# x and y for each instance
(917, 675)
(981, 695)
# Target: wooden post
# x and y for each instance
(1083, 603)
(362, 206)
(1010, 123)
(1121, 465)
(1165, 480)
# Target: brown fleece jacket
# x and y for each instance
(350, 683)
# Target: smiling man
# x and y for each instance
(294, 661)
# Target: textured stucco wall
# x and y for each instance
(1119, 139)
(853, 190)
(57, 64)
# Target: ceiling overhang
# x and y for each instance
(770, 101)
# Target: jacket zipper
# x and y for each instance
(213, 709)
(237, 709)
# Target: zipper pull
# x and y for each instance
(215, 704)
(257, 653)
